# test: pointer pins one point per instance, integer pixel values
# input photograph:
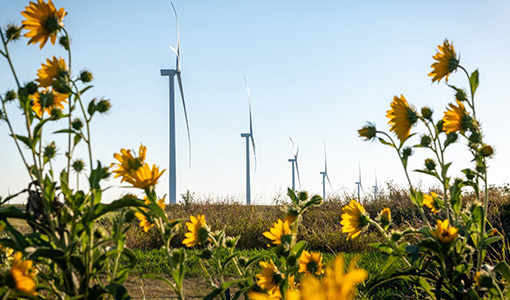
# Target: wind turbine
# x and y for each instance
(358, 183)
(171, 73)
(249, 136)
(295, 165)
(325, 173)
(376, 189)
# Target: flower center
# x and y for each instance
(51, 25)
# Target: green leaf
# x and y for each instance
(384, 142)
(125, 202)
(85, 89)
(473, 81)
(493, 239)
(222, 288)
(298, 249)
(118, 291)
(25, 140)
(417, 197)
(503, 268)
(76, 139)
(292, 196)
(382, 247)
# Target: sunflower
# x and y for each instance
(43, 21)
(354, 219)
(402, 117)
(456, 118)
(447, 62)
(279, 230)
(444, 233)
(198, 231)
(128, 163)
(144, 222)
(430, 202)
(145, 176)
(47, 100)
(311, 263)
(269, 278)
(335, 285)
(47, 75)
(23, 274)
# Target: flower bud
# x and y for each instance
(86, 76)
(50, 151)
(425, 140)
(487, 151)
(460, 95)
(31, 87)
(12, 32)
(430, 164)
(103, 106)
(78, 165)
(64, 42)
(368, 132)
(77, 124)
(451, 138)
(303, 196)
(406, 152)
(10, 95)
(426, 112)
(231, 242)
(385, 217)
(56, 113)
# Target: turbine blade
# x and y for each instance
(251, 122)
(327, 177)
(177, 50)
(179, 81)
(293, 145)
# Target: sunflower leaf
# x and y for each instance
(473, 81)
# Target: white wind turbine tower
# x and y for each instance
(249, 136)
(171, 73)
(325, 173)
(376, 189)
(295, 167)
(358, 183)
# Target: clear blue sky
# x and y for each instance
(316, 70)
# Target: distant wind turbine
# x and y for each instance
(171, 73)
(376, 189)
(358, 183)
(249, 136)
(325, 173)
(294, 162)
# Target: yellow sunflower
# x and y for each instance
(455, 118)
(354, 219)
(402, 117)
(444, 233)
(279, 230)
(144, 222)
(23, 274)
(128, 163)
(430, 202)
(270, 278)
(145, 176)
(43, 21)
(447, 62)
(47, 100)
(334, 285)
(198, 231)
(311, 263)
(47, 75)
(385, 217)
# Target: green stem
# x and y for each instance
(9, 58)
(69, 155)
(87, 123)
